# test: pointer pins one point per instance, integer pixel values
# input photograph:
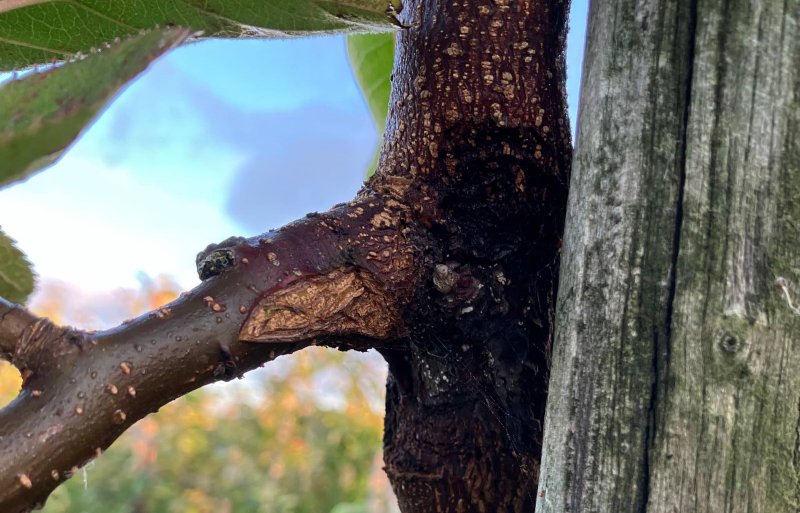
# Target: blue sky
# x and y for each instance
(218, 138)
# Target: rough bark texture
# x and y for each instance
(82, 390)
(477, 122)
(447, 261)
(676, 367)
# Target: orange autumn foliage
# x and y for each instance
(300, 436)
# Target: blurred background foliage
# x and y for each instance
(300, 436)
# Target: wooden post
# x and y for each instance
(676, 369)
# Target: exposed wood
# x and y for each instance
(341, 303)
(676, 368)
(82, 390)
(447, 261)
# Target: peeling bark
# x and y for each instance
(446, 261)
(82, 390)
(340, 303)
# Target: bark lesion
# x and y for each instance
(343, 302)
(340, 279)
(446, 261)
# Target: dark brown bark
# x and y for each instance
(82, 390)
(447, 262)
(477, 122)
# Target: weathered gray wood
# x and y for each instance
(676, 368)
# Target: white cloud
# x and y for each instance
(97, 226)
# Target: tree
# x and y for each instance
(675, 382)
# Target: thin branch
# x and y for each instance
(338, 278)
(14, 320)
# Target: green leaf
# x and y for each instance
(41, 114)
(16, 277)
(38, 31)
(372, 57)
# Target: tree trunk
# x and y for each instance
(676, 357)
(477, 122)
(676, 366)
(447, 261)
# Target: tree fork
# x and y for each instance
(446, 261)
(478, 122)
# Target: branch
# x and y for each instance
(339, 279)
(13, 321)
